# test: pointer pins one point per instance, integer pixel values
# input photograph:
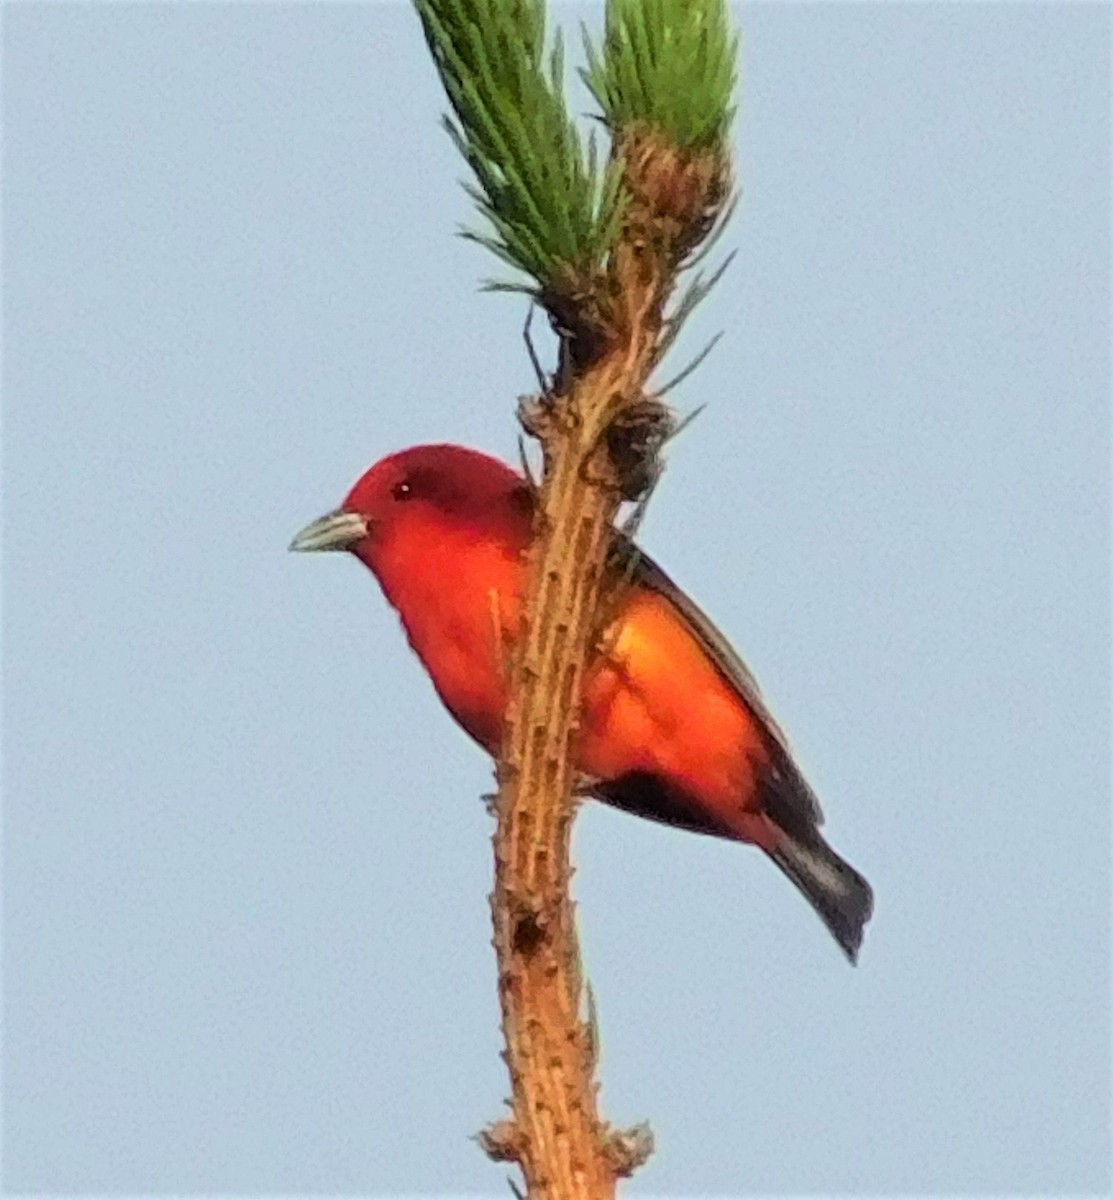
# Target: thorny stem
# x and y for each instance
(565, 1149)
(599, 431)
(558, 1137)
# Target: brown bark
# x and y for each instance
(565, 1149)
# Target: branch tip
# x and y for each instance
(629, 1149)
(501, 1141)
(533, 415)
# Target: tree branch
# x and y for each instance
(593, 443)
(563, 1146)
(603, 246)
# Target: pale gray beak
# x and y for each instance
(338, 530)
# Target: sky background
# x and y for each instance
(246, 943)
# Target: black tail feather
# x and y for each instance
(843, 899)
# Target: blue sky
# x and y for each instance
(246, 863)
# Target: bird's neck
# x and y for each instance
(458, 594)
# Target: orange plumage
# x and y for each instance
(673, 726)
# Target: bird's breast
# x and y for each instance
(459, 620)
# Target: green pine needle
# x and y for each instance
(670, 64)
(552, 209)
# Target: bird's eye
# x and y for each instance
(402, 491)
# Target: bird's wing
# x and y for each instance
(788, 784)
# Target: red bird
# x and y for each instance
(673, 725)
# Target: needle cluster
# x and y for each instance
(551, 204)
(667, 64)
(554, 205)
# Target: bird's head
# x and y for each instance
(419, 493)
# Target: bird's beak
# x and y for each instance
(338, 530)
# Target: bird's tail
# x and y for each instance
(834, 889)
